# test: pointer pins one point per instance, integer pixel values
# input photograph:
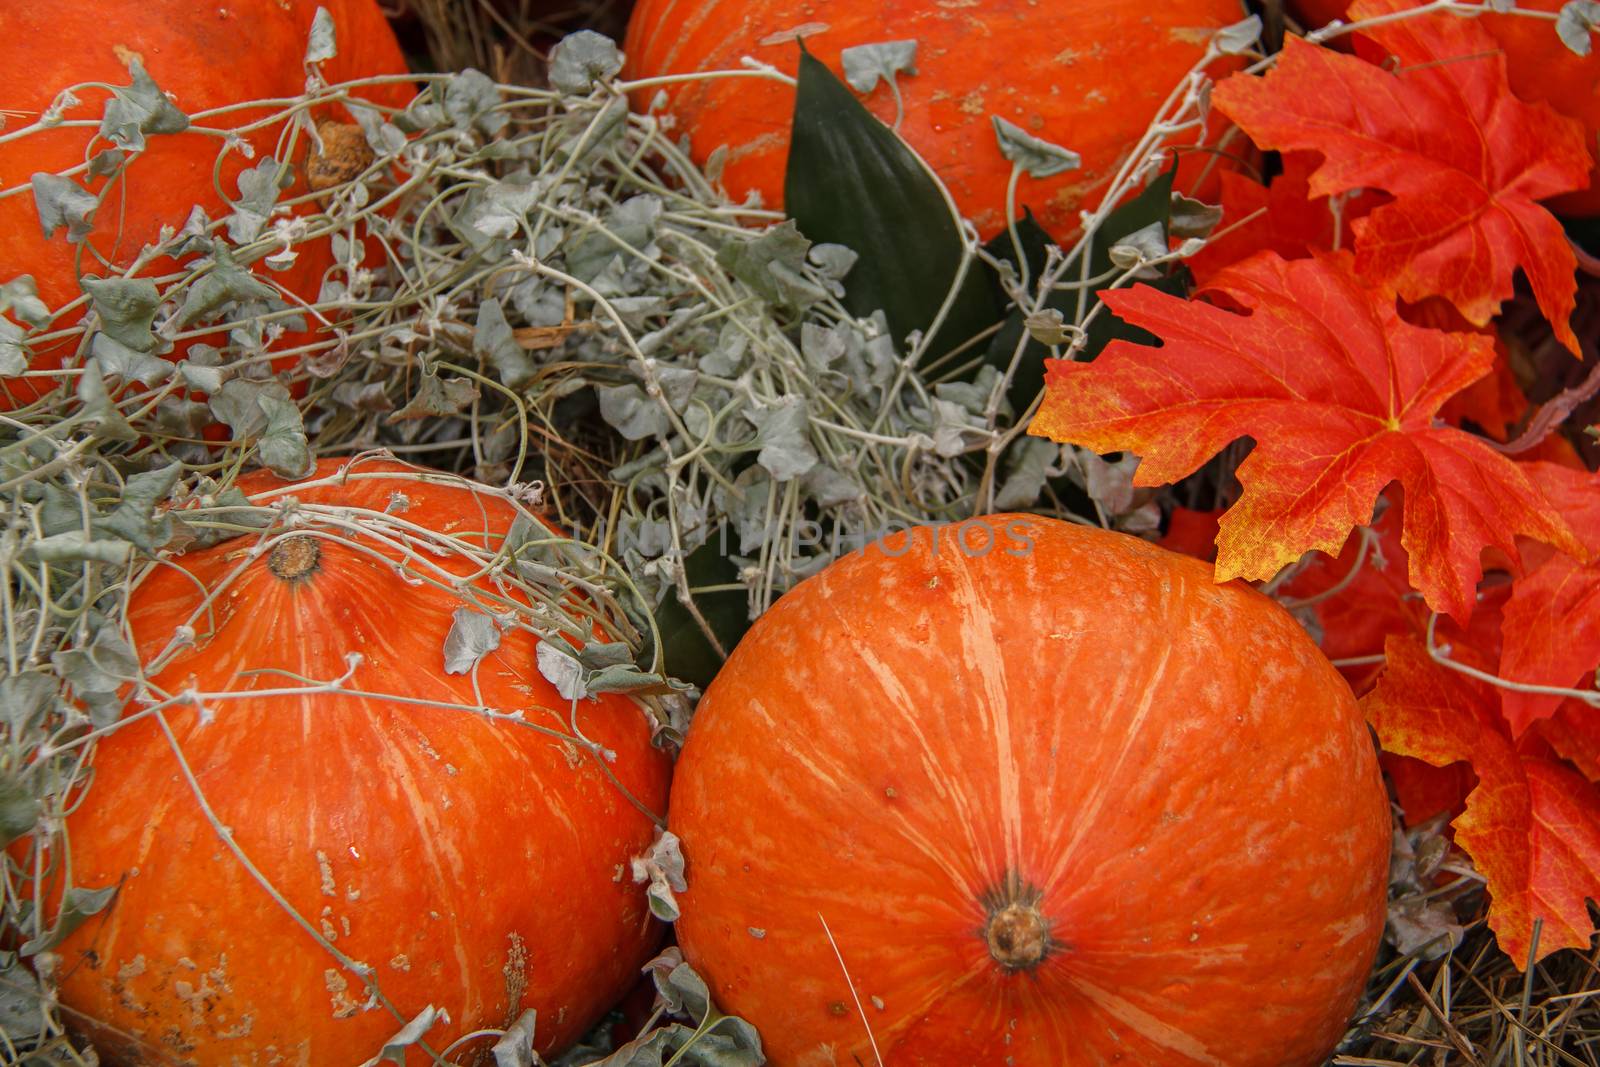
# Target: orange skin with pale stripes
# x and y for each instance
(1086, 74)
(1170, 765)
(478, 866)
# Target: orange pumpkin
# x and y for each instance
(473, 864)
(1049, 796)
(1540, 68)
(1086, 74)
(203, 56)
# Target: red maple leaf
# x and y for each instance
(1282, 217)
(1531, 825)
(1552, 622)
(1340, 396)
(1464, 159)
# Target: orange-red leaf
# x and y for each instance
(1531, 826)
(1340, 395)
(1282, 217)
(1552, 622)
(1464, 159)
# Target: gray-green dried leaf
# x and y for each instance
(515, 1047)
(631, 413)
(20, 296)
(492, 338)
(26, 697)
(117, 360)
(1039, 158)
(470, 99)
(63, 204)
(13, 349)
(258, 192)
(137, 109)
(98, 407)
(135, 517)
(394, 1050)
(127, 308)
(473, 635)
(77, 904)
(1192, 218)
(561, 669)
(1239, 37)
(782, 432)
(866, 64)
(323, 42)
(19, 808)
(662, 869)
(758, 261)
(436, 396)
(582, 60)
(225, 283)
(283, 447)
(1575, 24)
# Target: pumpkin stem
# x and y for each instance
(1018, 936)
(294, 559)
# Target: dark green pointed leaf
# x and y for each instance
(852, 181)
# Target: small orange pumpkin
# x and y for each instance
(203, 56)
(1087, 74)
(479, 866)
(1047, 795)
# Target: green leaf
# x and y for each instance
(137, 109)
(852, 181)
(77, 904)
(117, 360)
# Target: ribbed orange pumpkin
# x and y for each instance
(473, 864)
(1062, 801)
(1086, 74)
(1540, 68)
(204, 55)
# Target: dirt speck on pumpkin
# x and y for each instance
(329, 889)
(805, 29)
(339, 994)
(516, 974)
